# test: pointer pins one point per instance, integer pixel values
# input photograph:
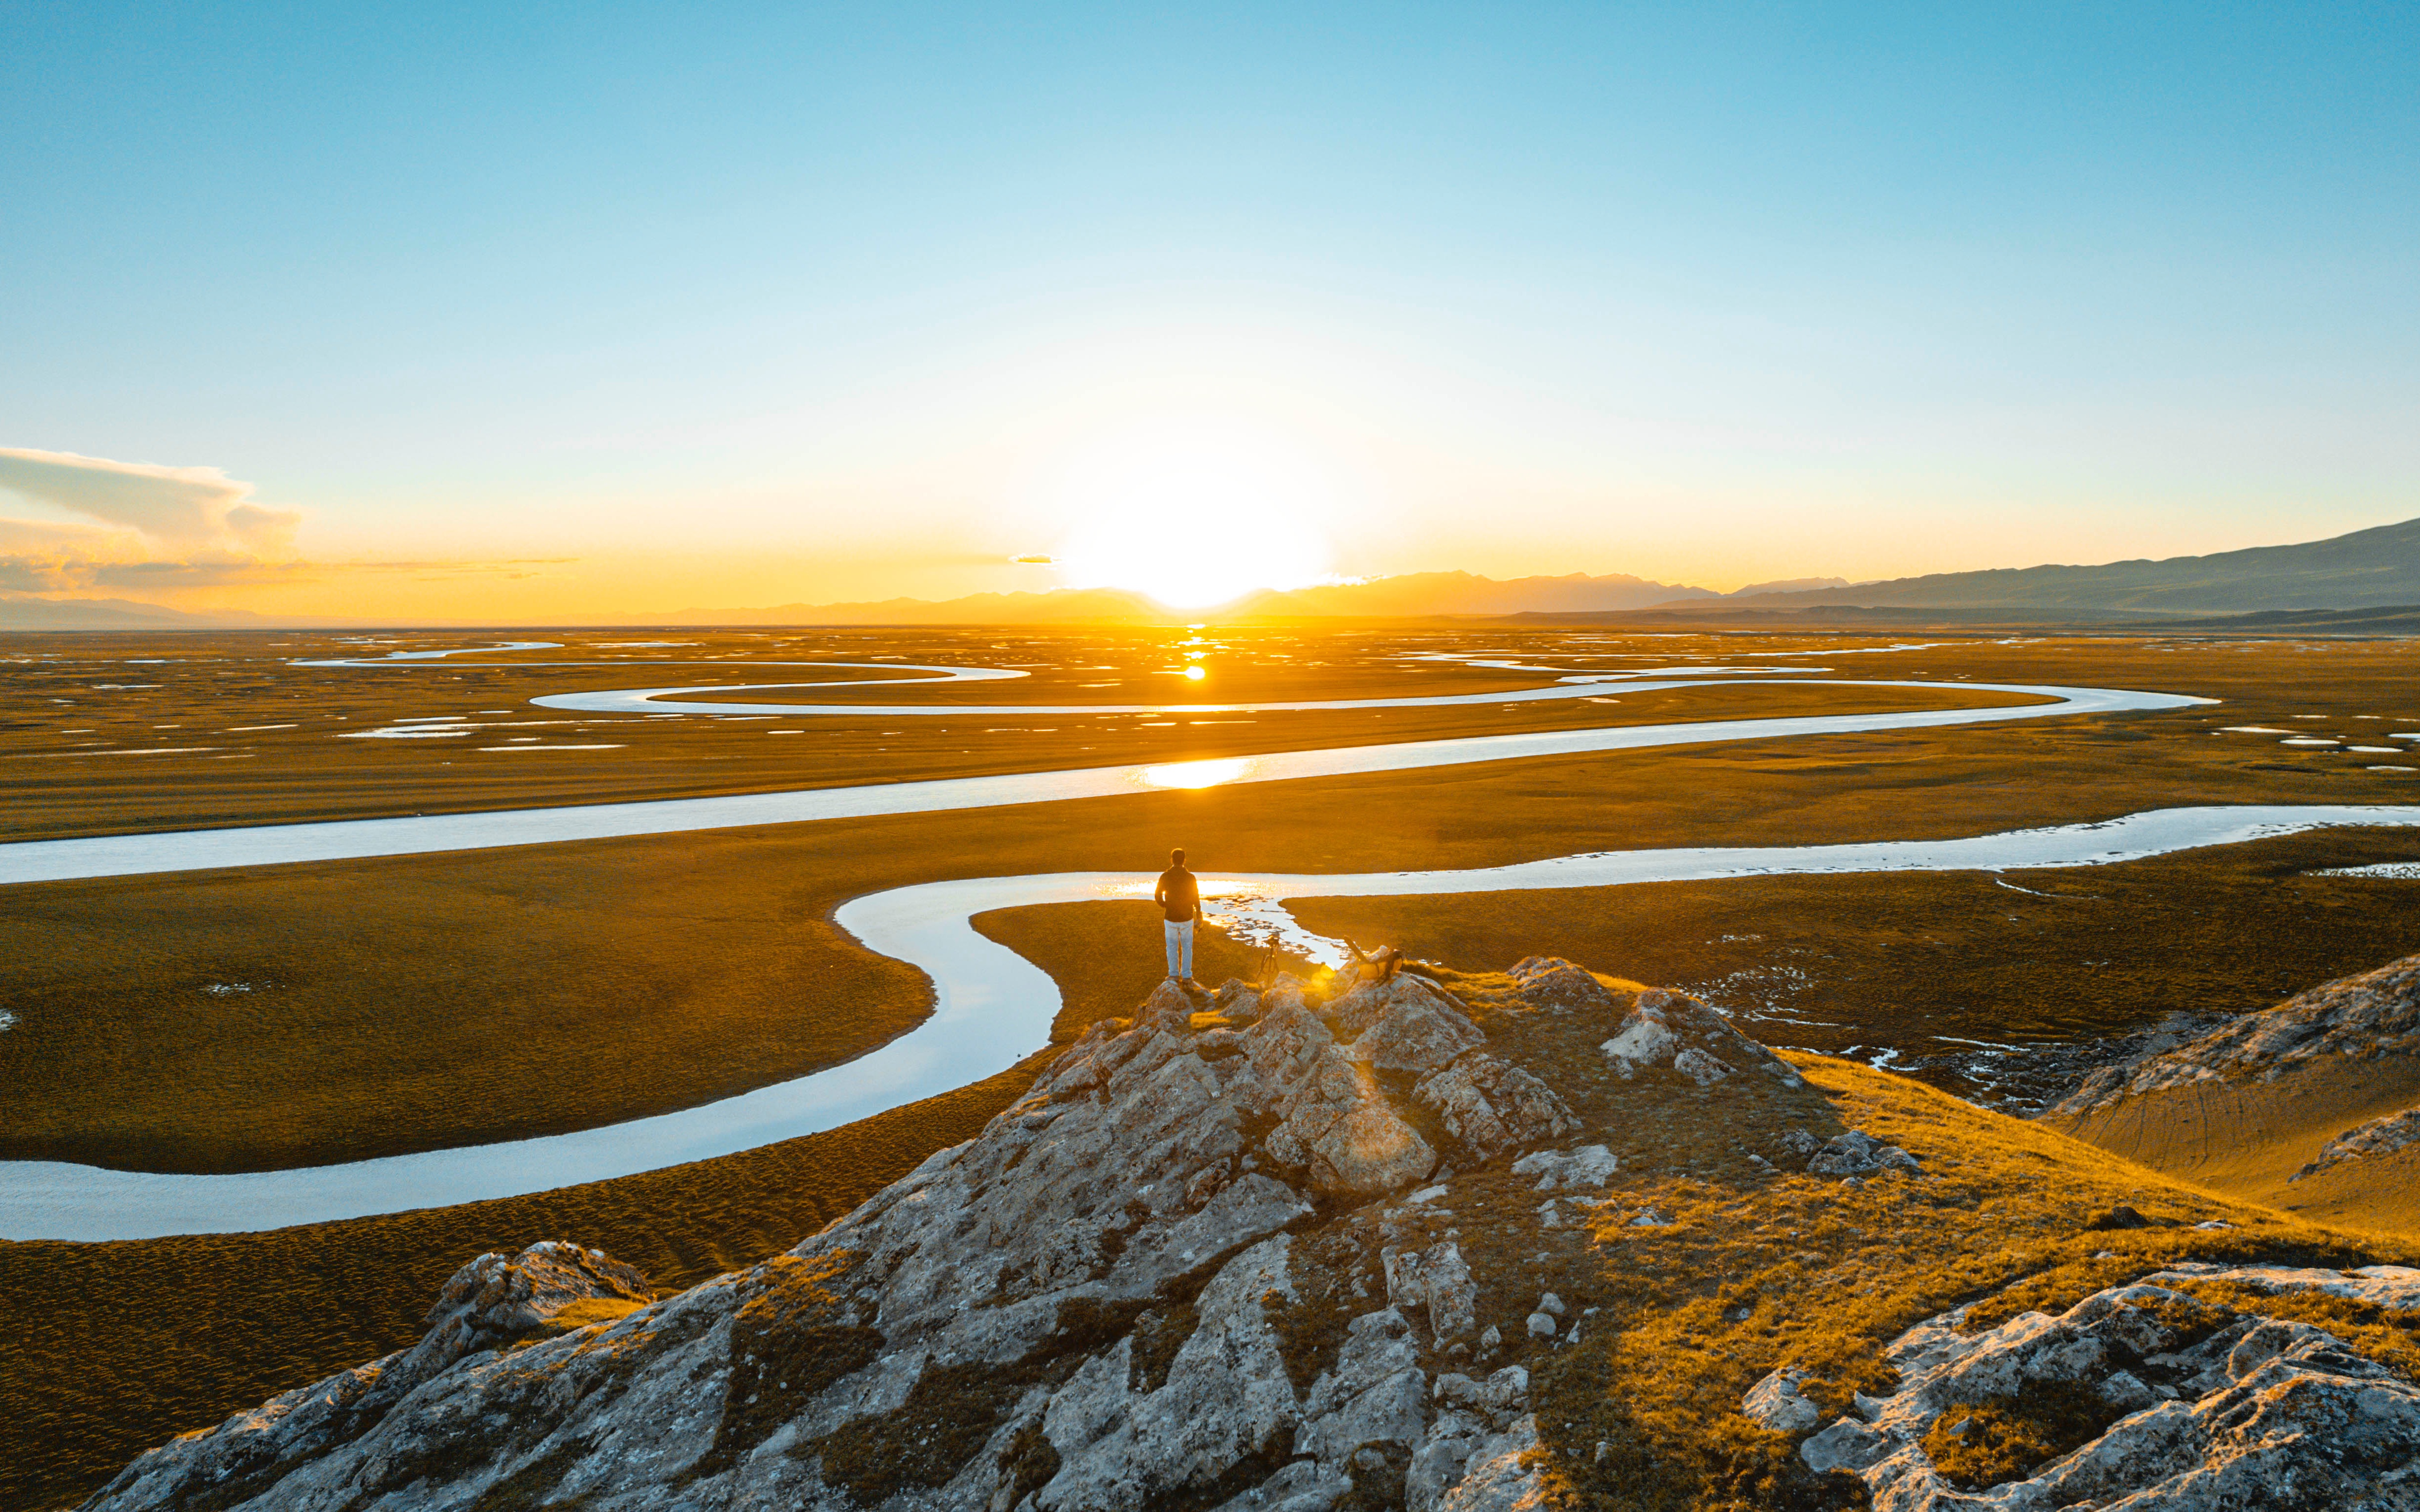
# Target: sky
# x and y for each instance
(521, 312)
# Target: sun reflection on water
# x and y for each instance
(1205, 774)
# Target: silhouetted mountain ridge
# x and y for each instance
(2364, 569)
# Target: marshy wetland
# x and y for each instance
(268, 1017)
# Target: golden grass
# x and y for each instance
(1709, 1305)
(305, 1015)
(589, 1310)
(2249, 1138)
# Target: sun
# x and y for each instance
(1195, 512)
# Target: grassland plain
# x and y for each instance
(131, 1342)
(338, 1011)
(99, 735)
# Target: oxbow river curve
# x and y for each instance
(991, 1005)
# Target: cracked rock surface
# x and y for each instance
(2200, 1407)
(2379, 1136)
(1093, 1304)
(2376, 1013)
(1671, 1029)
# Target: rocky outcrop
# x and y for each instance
(487, 1307)
(1103, 1301)
(2374, 1014)
(1854, 1155)
(1256, 1250)
(2379, 1136)
(2143, 1396)
(1668, 1029)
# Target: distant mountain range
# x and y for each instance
(2365, 570)
(26, 611)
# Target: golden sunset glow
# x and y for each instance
(1208, 773)
(1195, 511)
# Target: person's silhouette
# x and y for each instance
(1179, 897)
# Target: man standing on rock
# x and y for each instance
(1179, 897)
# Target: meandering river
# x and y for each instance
(992, 1006)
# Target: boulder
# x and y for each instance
(1501, 1474)
(1490, 1105)
(1588, 1166)
(1668, 1029)
(1859, 1154)
(1437, 1281)
(1405, 1024)
(1776, 1403)
(1550, 982)
(1169, 1009)
(1238, 1001)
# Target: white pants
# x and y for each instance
(1180, 948)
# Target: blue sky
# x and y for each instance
(740, 305)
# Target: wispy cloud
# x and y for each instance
(163, 530)
(192, 507)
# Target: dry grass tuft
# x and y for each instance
(1978, 1444)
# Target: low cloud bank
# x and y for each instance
(148, 530)
(195, 507)
(158, 528)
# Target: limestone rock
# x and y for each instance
(1588, 1166)
(1437, 1281)
(1491, 1106)
(1498, 1399)
(1238, 1001)
(1376, 1395)
(1169, 1009)
(1553, 984)
(2372, 1014)
(2379, 1136)
(1858, 1155)
(492, 1301)
(1335, 1122)
(1225, 1397)
(1669, 1030)
(2208, 1408)
(1775, 1402)
(1501, 1475)
(1406, 1024)
(1847, 1444)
